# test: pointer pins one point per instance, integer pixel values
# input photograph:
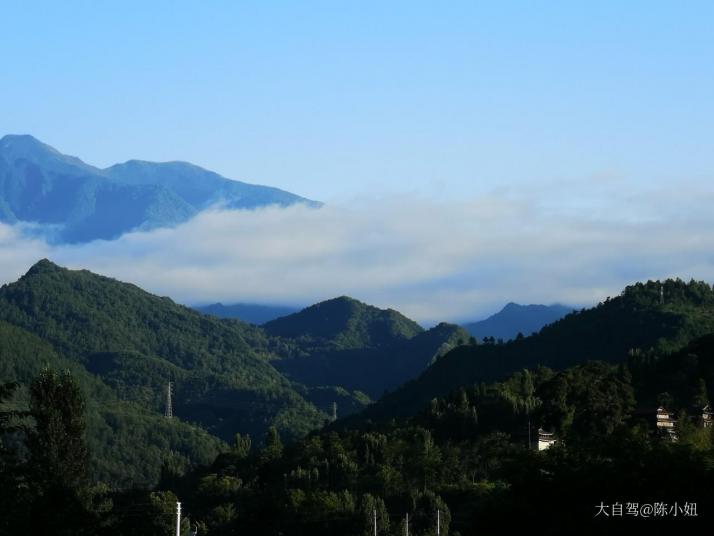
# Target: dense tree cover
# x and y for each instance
(10, 466)
(124, 345)
(467, 456)
(128, 441)
(640, 319)
(135, 343)
(45, 462)
(347, 322)
(359, 347)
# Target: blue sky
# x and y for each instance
(339, 99)
(470, 153)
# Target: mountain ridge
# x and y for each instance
(253, 313)
(74, 202)
(651, 316)
(516, 318)
(343, 320)
(346, 342)
(124, 345)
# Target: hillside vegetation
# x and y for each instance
(348, 343)
(467, 456)
(124, 346)
(652, 315)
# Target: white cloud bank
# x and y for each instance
(432, 260)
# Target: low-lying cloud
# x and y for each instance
(432, 260)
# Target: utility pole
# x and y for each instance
(374, 513)
(178, 519)
(530, 446)
(438, 523)
(169, 409)
(334, 411)
(661, 294)
(406, 526)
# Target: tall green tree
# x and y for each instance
(58, 451)
(373, 508)
(241, 446)
(273, 445)
(13, 499)
(58, 457)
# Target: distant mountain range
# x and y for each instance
(73, 202)
(514, 319)
(247, 312)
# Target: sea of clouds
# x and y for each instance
(431, 259)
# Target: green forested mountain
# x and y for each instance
(464, 453)
(648, 315)
(129, 440)
(346, 323)
(124, 345)
(348, 343)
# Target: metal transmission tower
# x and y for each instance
(169, 408)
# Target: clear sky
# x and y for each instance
(339, 99)
(470, 153)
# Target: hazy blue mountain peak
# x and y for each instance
(252, 313)
(75, 202)
(15, 148)
(515, 318)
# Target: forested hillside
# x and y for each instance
(125, 345)
(348, 343)
(645, 316)
(594, 380)
(467, 456)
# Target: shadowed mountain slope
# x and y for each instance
(134, 343)
(514, 319)
(357, 346)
